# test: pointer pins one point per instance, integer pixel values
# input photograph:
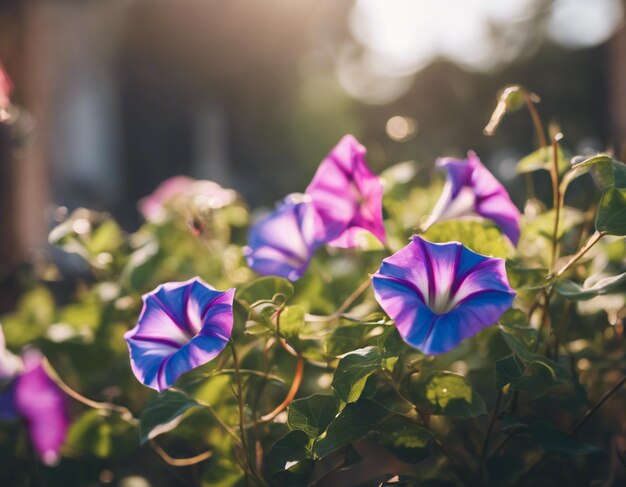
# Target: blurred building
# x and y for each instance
(121, 94)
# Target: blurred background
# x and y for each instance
(117, 95)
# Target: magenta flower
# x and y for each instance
(283, 242)
(182, 325)
(470, 189)
(185, 190)
(441, 294)
(6, 88)
(35, 398)
(347, 195)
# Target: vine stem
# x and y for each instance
(534, 115)
(345, 305)
(556, 198)
(240, 402)
(293, 390)
(123, 412)
(592, 411)
(576, 428)
(179, 462)
(594, 239)
(492, 421)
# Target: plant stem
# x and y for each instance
(492, 421)
(556, 198)
(534, 115)
(594, 239)
(592, 411)
(240, 402)
(345, 305)
(179, 462)
(295, 385)
(576, 427)
(121, 410)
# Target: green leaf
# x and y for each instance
(524, 278)
(449, 394)
(540, 376)
(353, 370)
(483, 237)
(34, 314)
(224, 471)
(592, 287)
(603, 165)
(520, 338)
(542, 159)
(312, 414)
(619, 174)
(290, 448)
(406, 440)
(291, 322)
(163, 413)
(557, 442)
(355, 421)
(508, 371)
(266, 288)
(611, 217)
(101, 434)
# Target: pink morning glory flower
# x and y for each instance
(35, 398)
(470, 189)
(347, 195)
(186, 190)
(441, 294)
(6, 88)
(283, 242)
(182, 325)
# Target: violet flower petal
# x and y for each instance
(471, 189)
(283, 242)
(347, 195)
(182, 325)
(441, 294)
(43, 406)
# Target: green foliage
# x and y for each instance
(164, 413)
(353, 371)
(448, 394)
(611, 210)
(366, 399)
(481, 237)
(101, 434)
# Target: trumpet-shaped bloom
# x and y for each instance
(283, 242)
(35, 398)
(441, 294)
(347, 195)
(182, 325)
(6, 87)
(470, 189)
(185, 190)
(43, 406)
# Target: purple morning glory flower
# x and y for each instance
(182, 325)
(283, 242)
(441, 294)
(347, 195)
(471, 189)
(35, 398)
(43, 406)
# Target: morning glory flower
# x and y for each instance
(6, 87)
(470, 189)
(347, 195)
(35, 398)
(283, 242)
(441, 294)
(184, 191)
(182, 325)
